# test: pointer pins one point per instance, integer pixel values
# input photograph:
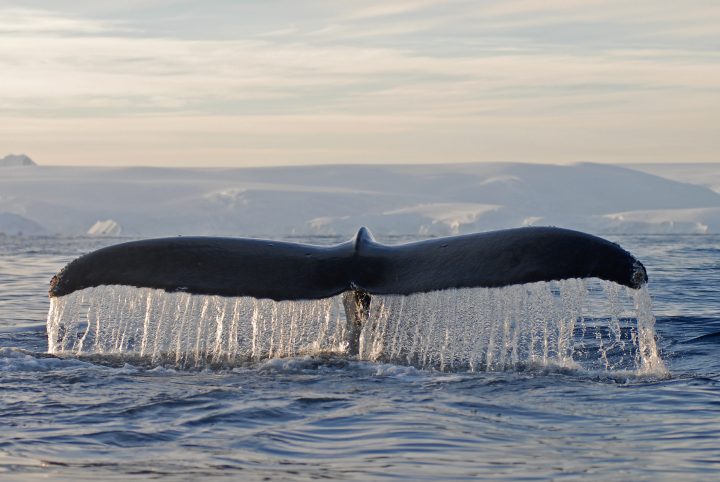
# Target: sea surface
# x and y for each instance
(332, 417)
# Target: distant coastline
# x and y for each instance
(425, 200)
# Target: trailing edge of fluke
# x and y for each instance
(291, 271)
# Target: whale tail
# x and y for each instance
(359, 268)
(290, 271)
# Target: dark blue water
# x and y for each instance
(332, 418)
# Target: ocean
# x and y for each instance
(546, 401)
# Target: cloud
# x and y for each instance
(29, 21)
(470, 77)
(369, 10)
(167, 73)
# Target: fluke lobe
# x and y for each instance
(292, 271)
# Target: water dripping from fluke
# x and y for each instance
(576, 324)
(500, 300)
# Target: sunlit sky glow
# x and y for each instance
(242, 83)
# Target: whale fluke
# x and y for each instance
(290, 271)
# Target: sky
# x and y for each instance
(287, 82)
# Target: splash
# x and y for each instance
(578, 324)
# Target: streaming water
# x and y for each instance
(578, 324)
(191, 331)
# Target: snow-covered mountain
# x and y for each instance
(390, 199)
(14, 224)
(16, 160)
(707, 175)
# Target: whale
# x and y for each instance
(293, 271)
(356, 269)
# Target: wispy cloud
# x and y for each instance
(381, 80)
(369, 10)
(29, 21)
(88, 67)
